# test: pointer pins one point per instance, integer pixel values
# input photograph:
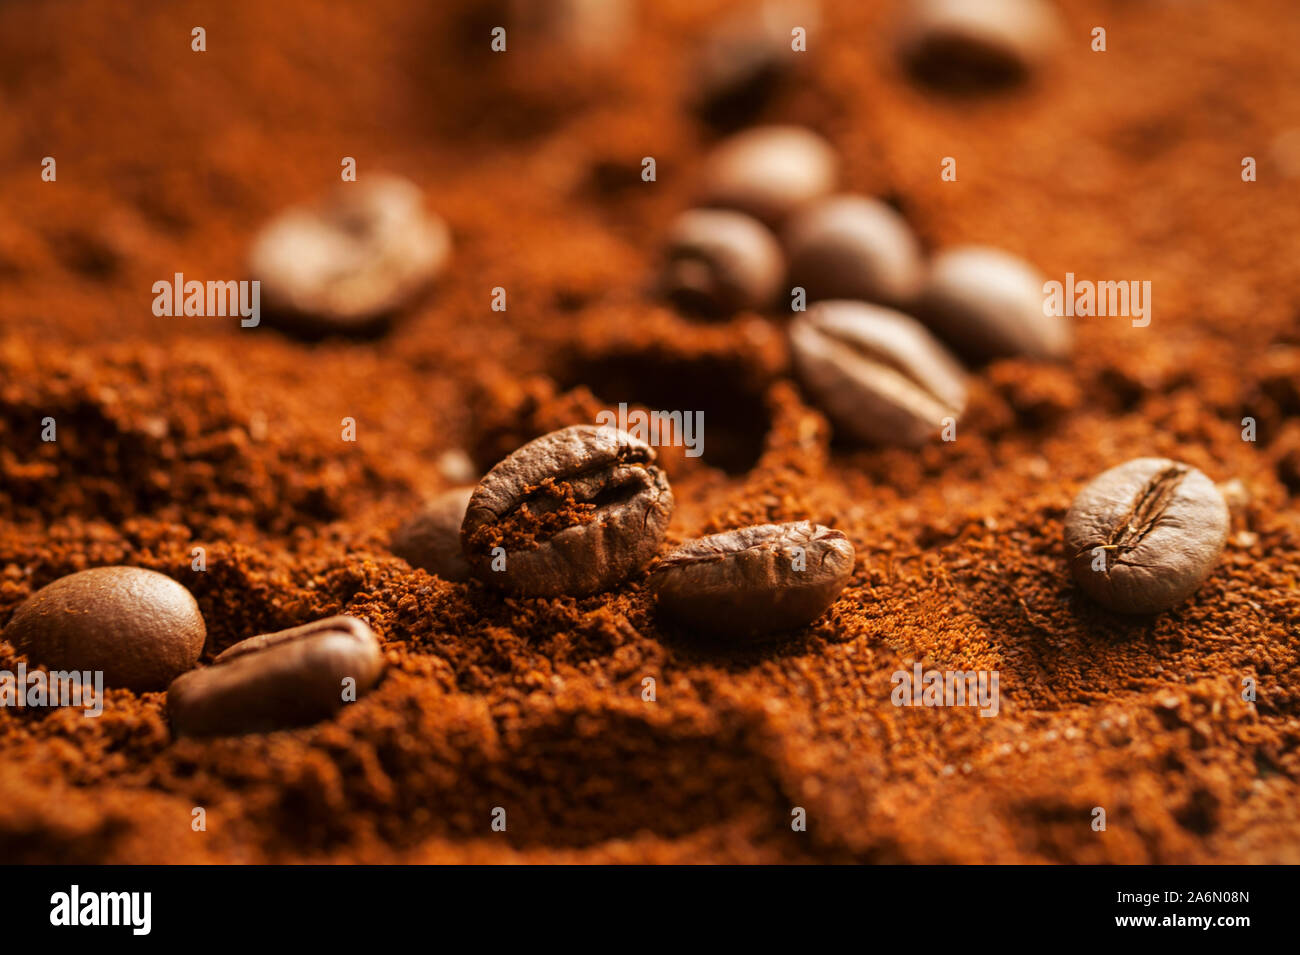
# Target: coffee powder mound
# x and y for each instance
(289, 464)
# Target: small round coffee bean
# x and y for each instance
(431, 539)
(348, 263)
(277, 680)
(138, 627)
(1142, 536)
(761, 579)
(719, 262)
(852, 247)
(769, 171)
(989, 304)
(574, 512)
(962, 44)
(878, 374)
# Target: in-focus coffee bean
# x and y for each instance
(878, 374)
(278, 680)
(572, 512)
(769, 171)
(431, 539)
(852, 247)
(718, 262)
(989, 304)
(761, 579)
(960, 44)
(137, 626)
(347, 264)
(1142, 536)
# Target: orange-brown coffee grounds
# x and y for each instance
(177, 433)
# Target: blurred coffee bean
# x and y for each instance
(854, 248)
(988, 304)
(431, 539)
(754, 580)
(747, 59)
(584, 27)
(878, 374)
(769, 171)
(973, 44)
(719, 262)
(348, 263)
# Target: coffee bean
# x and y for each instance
(572, 512)
(347, 264)
(959, 44)
(1142, 536)
(747, 59)
(431, 539)
(878, 374)
(769, 171)
(277, 680)
(574, 27)
(719, 262)
(754, 580)
(139, 627)
(854, 248)
(989, 304)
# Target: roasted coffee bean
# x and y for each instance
(347, 264)
(769, 171)
(754, 580)
(960, 44)
(989, 304)
(431, 539)
(277, 680)
(878, 374)
(1142, 536)
(747, 59)
(573, 27)
(139, 627)
(854, 248)
(572, 512)
(719, 262)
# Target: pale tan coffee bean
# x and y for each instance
(350, 262)
(431, 539)
(1143, 536)
(769, 171)
(987, 304)
(280, 680)
(851, 247)
(978, 43)
(754, 580)
(718, 262)
(138, 627)
(878, 374)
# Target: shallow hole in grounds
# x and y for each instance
(723, 399)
